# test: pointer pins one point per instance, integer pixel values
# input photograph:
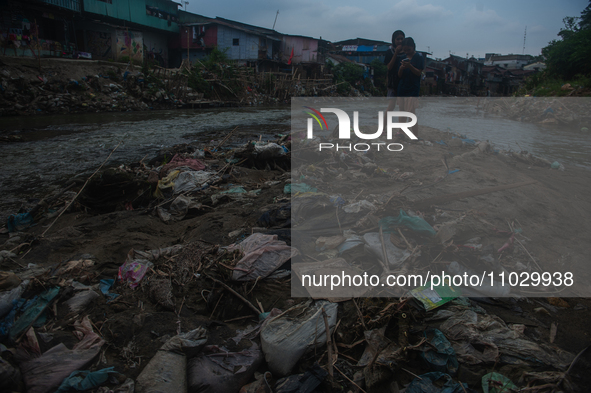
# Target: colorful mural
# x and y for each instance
(99, 44)
(130, 45)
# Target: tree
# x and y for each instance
(571, 55)
(380, 73)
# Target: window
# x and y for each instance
(236, 41)
(154, 11)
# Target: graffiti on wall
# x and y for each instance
(99, 44)
(130, 45)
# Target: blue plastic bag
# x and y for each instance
(417, 224)
(84, 380)
(443, 357)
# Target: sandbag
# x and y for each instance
(167, 370)
(286, 338)
(218, 370)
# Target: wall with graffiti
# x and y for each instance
(129, 46)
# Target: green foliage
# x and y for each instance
(540, 85)
(344, 88)
(380, 75)
(570, 55)
(348, 72)
(218, 66)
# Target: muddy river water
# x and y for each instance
(57, 148)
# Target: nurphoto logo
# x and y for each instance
(345, 129)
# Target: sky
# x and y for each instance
(458, 27)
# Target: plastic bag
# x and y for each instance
(7, 298)
(302, 383)
(294, 188)
(436, 382)
(285, 339)
(468, 331)
(33, 312)
(373, 244)
(263, 254)
(268, 150)
(84, 380)
(45, 373)
(133, 271)
(416, 224)
(191, 180)
(18, 222)
(497, 383)
(81, 299)
(442, 357)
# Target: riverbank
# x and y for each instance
(30, 87)
(116, 216)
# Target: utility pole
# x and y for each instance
(277, 14)
(524, 35)
(188, 41)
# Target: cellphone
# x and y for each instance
(405, 60)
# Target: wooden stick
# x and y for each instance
(239, 296)
(525, 249)
(216, 305)
(76, 196)
(411, 373)
(328, 344)
(360, 315)
(347, 378)
(406, 241)
(386, 263)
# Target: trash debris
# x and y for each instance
(218, 370)
(433, 298)
(167, 370)
(84, 380)
(263, 254)
(295, 188)
(7, 298)
(32, 312)
(19, 222)
(395, 256)
(415, 223)
(497, 383)
(133, 270)
(302, 383)
(436, 382)
(497, 342)
(46, 372)
(441, 357)
(286, 338)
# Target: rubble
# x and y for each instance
(58, 86)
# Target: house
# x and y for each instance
(509, 62)
(537, 66)
(128, 29)
(244, 43)
(499, 80)
(365, 51)
(265, 49)
(39, 27)
(463, 75)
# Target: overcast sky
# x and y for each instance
(460, 26)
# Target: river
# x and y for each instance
(59, 147)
